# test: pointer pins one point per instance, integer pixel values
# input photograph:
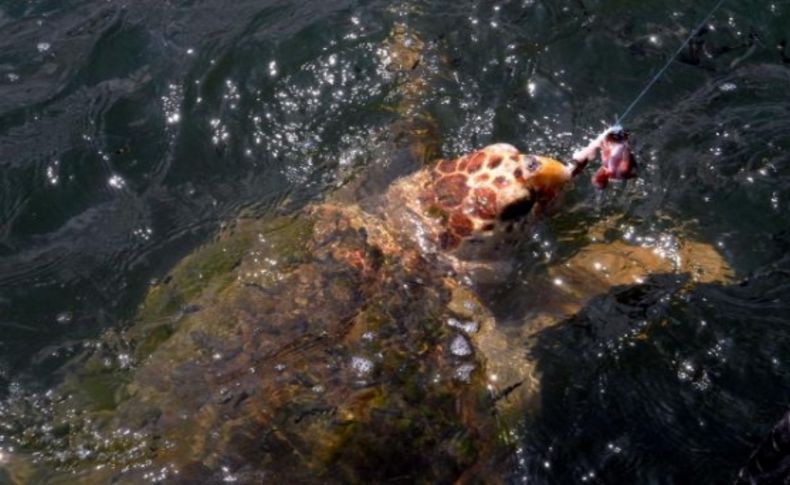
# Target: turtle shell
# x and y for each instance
(294, 348)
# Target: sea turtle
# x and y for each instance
(344, 343)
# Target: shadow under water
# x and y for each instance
(653, 383)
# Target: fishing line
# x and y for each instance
(666, 66)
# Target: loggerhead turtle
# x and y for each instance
(327, 346)
(337, 345)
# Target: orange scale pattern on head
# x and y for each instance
(460, 224)
(501, 182)
(483, 177)
(495, 161)
(447, 166)
(519, 175)
(451, 190)
(484, 203)
(462, 163)
(476, 162)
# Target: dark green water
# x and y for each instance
(130, 131)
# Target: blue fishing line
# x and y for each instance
(620, 118)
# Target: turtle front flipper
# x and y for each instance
(414, 67)
(410, 142)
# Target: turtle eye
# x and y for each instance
(533, 164)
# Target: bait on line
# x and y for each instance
(617, 161)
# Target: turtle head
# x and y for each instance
(480, 195)
(544, 177)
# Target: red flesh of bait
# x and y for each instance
(617, 161)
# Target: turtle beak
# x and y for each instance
(548, 178)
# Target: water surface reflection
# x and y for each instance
(131, 133)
